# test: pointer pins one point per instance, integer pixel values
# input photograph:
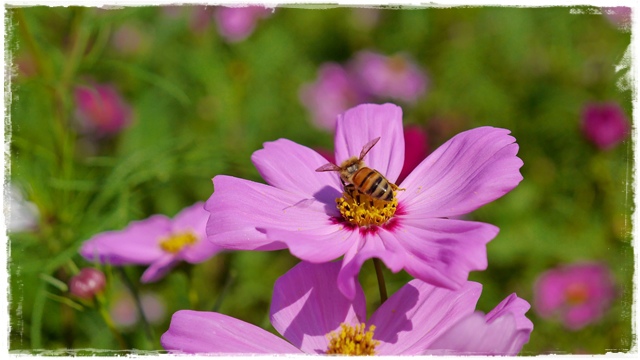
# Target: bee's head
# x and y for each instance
(349, 167)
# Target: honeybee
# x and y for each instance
(356, 176)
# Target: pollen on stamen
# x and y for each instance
(363, 210)
(352, 340)
(174, 243)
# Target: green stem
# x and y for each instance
(381, 284)
(136, 298)
(41, 65)
(110, 324)
(230, 280)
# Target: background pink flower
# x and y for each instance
(101, 110)
(577, 294)
(237, 23)
(333, 92)
(395, 77)
(605, 124)
(418, 319)
(157, 241)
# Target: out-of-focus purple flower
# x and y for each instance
(577, 294)
(395, 77)
(157, 241)
(125, 314)
(312, 314)
(605, 124)
(101, 110)
(311, 214)
(237, 23)
(87, 283)
(619, 16)
(333, 92)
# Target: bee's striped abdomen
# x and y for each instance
(372, 183)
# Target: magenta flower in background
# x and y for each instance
(101, 110)
(309, 312)
(577, 294)
(416, 148)
(158, 241)
(237, 23)
(333, 92)
(395, 77)
(307, 211)
(605, 124)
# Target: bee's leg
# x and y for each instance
(395, 187)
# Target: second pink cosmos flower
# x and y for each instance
(297, 209)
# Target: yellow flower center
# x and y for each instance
(176, 242)
(576, 293)
(352, 340)
(363, 210)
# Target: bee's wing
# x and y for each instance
(368, 147)
(328, 167)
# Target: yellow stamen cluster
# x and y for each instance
(363, 210)
(352, 341)
(576, 293)
(174, 243)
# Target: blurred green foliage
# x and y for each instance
(202, 106)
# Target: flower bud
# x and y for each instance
(87, 283)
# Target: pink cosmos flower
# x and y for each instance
(395, 77)
(237, 23)
(578, 294)
(101, 109)
(605, 124)
(308, 212)
(310, 312)
(334, 92)
(158, 241)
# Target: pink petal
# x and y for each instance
(317, 245)
(292, 167)
(306, 306)
(369, 246)
(208, 332)
(473, 336)
(418, 313)
(138, 243)
(193, 219)
(201, 251)
(503, 331)
(513, 305)
(443, 251)
(159, 268)
(474, 168)
(241, 210)
(363, 123)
